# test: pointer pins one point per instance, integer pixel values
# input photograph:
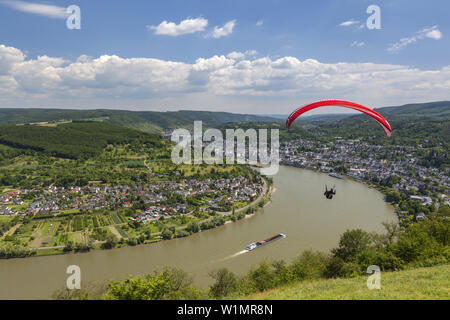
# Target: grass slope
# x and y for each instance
(423, 283)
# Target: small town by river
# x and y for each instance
(298, 209)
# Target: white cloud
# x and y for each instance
(259, 23)
(251, 52)
(184, 27)
(431, 32)
(223, 31)
(349, 23)
(46, 10)
(237, 80)
(9, 56)
(434, 34)
(236, 55)
(357, 44)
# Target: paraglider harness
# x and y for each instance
(329, 193)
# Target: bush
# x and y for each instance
(166, 234)
(207, 225)
(68, 246)
(132, 241)
(81, 247)
(10, 251)
(225, 283)
(171, 284)
(309, 265)
(193, 227)
(382, 257)
(338, 268)
(181, 234)
(111, 242)
(351, 243)
(262, 277)
(417, 244)
(218, 221)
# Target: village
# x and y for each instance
(361, 161)
(155, 200)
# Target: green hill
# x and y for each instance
(413, 131)
(423, 283)
(427, 124)
(147, 121)
(424, 123)
(73, 140)
(436, 109)
(428, 110)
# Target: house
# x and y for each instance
(421, 216)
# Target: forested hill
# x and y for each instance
(437, 109)
(427, 124)
(156, 122)
(74, 140)
(147, 121)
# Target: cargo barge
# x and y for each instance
(258, 244)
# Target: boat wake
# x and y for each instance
(233, 255)
(237, 254)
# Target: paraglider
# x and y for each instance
(329, 193)
(341, 103)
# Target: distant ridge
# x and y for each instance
(147, 121)
(157, 122)
(316, 117)
(429, 109)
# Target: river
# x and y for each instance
(298, 209)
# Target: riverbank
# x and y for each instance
(270, 193)
(254, 207)
(341, 274)
(296, 209)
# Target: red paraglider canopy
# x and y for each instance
(341, 103)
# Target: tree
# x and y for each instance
(110, 241)
(351, 243)
(193, 227)
(337, 268)
(262, 278)
(392, 231)
(309, 265)
(171, 284)
(225, 283)
(166, 234)
(69, 246)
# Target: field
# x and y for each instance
(189, 171)
(57, 231)
(420, 284)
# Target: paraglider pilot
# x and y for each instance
(329, 193)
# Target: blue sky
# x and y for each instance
(309, 39)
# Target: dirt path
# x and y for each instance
(115, 232)
(49, 248)
(11, 231)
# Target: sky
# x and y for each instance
(261, 57)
